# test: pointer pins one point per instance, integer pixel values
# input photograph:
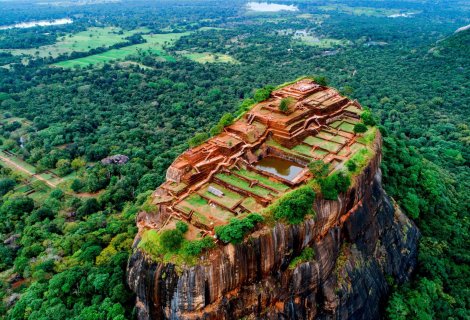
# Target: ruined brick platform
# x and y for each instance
(230, 175)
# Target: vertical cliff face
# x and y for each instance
(362, 242)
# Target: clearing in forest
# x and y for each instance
(367, 11)
(324, 43)
(207, 57)
(154, 46)
(84, 41)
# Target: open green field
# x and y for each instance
(358, 11)
(153, 46)
(83, 41)
(208, 57)
(322, 42)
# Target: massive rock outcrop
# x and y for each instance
(362, 243)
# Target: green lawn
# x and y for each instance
(303, 149)
(324, 144)
(229, 199)
(335, 124)
(319, 154)
(348, 127)
(251, 204)
(244, 185)
(23, 188)
(325, 135)
(339, 139)
(329, 136)
(263, 179)
(202, 208)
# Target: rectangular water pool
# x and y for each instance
(280, 167)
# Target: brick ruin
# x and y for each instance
(257, 159)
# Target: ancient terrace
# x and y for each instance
(258, 158)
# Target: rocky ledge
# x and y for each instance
(362, 243)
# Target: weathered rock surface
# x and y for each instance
(362, 242)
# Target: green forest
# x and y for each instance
(143, 79)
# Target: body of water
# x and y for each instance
(270, 7)
(41, 23)
(280, 167)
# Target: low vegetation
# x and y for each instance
(170, 245)
(294, 206)
(308, 254)
(236, 229)
(334, 184)
(285, 104)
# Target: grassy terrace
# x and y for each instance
(251, 204)
(176, 186)
(329, 136)
(354, 109)
(263, 179)
(203, 211)
(294, 151)
(324, 144)
(244, 185)
(303, 149)
(346, 126)
(335, 124)
(319, 154)
(229, 199)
